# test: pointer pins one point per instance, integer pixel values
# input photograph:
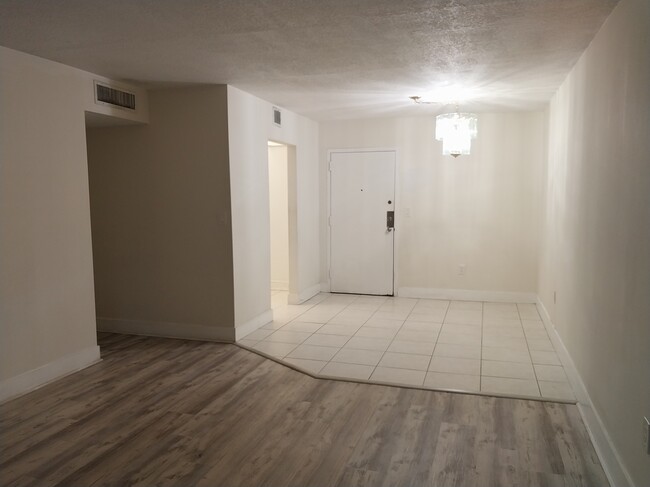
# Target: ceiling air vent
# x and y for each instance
(277, 116)
(106, 95)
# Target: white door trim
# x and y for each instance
(293, 285)
(396, 233)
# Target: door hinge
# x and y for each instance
(329, 166)
(329, 221)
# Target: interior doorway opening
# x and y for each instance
(103, 194)
(281, 162)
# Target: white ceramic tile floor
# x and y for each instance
(405, 361)
(313, 366)
(348, 371)
(402, 346)
(288, 336)
(398, 376)
(458, 351)
(454, 365)
(361, 357)
(552, 373)
(438, 380)
(313, 352)
(327, 340)
(499, 348)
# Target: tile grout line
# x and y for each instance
(313, 333)
(349, 337)
(392, 339)
(356, 298)
(565, 381)
(322, 324)
(539, 389)
(294, 319)
(435, 345)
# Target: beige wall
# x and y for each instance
(250, 126)
(279, 216)
(596, 233)
(160, 203)
(47, 308)
(480, 210)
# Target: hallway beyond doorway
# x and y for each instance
(488, 348)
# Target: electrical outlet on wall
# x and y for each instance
(461, 269)
(646, 435)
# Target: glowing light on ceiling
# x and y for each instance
(456, 130)
(449, 94)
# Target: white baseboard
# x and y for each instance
(35, 378)
(251, 325)
(185, 331)
(308, 293)
(616, 472)
(279, 285)
(466, 295)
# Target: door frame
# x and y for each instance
(292, 204)
(328, 196)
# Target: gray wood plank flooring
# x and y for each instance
(173, 412)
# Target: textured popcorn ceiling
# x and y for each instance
(326, 59)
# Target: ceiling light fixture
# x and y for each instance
(455, 129)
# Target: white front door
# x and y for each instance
(362, 192)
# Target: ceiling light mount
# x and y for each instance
(420, 101)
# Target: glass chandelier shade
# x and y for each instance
(456, 131)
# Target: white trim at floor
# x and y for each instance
(616, 472)
(303, 296)
(40, 376)
(466, 295)
(279, 285)
(251, 325)
(185, 331)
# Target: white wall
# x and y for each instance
(596, 228)
(160, 205)
(480, 210)
(47, 307)
(250, 126)
(279, 216)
